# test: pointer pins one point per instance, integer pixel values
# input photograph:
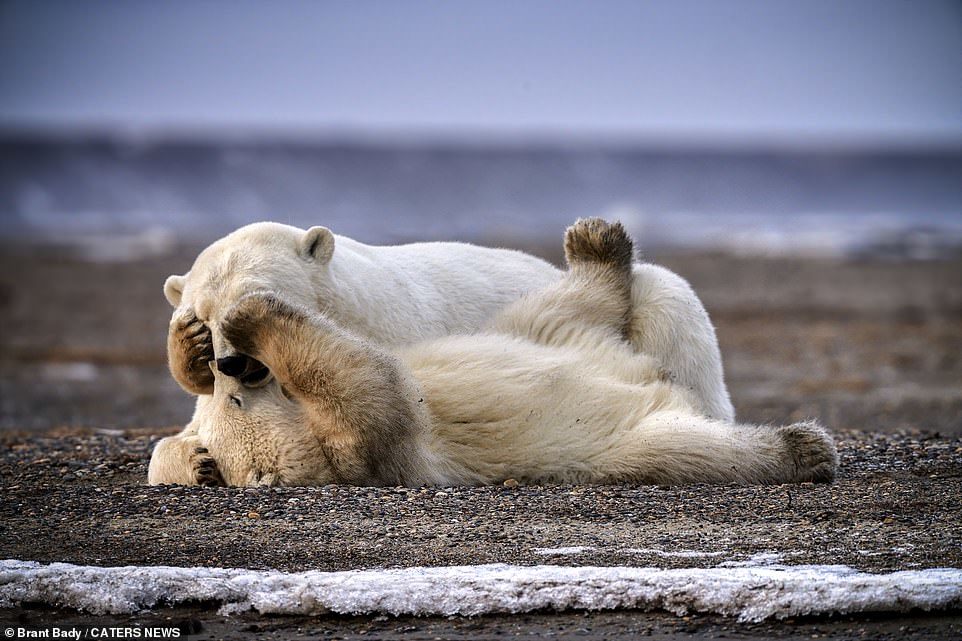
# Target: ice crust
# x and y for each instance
(749, 593)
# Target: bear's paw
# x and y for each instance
(595, 240)
(190, 348)
(205, 468)
(812, 452)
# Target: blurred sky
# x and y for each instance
(858, 70)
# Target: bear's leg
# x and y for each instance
(182, 459)
(670, 324)
(672, 448)
(189, 349)
(595, 292)
(362, 404)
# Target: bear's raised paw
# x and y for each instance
(190, 348)
(595, 240)
(246, 323)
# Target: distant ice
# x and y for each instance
(815, 234)
(121, 248)
(816, 202)
(750, 593)
(74, 372)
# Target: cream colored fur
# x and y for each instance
(400, 295)
(551, 391)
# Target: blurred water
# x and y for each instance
(116, 198)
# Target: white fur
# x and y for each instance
(550, 392)
(398, 295)
(393, 295)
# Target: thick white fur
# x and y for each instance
(550, 393)
(394, 295)
(402, 294)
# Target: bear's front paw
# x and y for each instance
(205, 468)
(246, 323)
(190, 347)
(595, 240)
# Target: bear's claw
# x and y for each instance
(205, 468)
(190, 347)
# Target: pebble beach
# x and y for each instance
(870, 348)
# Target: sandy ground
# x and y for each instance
(870, 348)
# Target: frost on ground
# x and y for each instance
(681, 554)
(750, 593)
(576, 549)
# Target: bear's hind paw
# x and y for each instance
(595, 240)
(812, 452)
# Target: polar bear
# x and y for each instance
(403, 294)
(550, 391)
(393, 295)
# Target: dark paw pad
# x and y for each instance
(190, 348)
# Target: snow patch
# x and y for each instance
(680, 554)
(751, 594)
(757, 560)
(576, 549)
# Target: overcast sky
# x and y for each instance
(858, 69)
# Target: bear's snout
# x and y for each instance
(232, 365)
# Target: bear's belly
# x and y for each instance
(552, 422)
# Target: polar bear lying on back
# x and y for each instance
(397, 296)
(551, 391)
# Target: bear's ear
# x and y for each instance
(318, 244)
(174, 289)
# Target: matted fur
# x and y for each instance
(551, 392)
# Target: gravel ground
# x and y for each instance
(81, 498)
(872, 349)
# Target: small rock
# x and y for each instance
(253, 515)
(511, 483)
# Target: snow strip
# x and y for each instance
(681, 554)
(576, 549)
(751, 594)
(757, 560)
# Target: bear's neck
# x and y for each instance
(380, 299)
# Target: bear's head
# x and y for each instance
(258, 257)
(257, 435)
